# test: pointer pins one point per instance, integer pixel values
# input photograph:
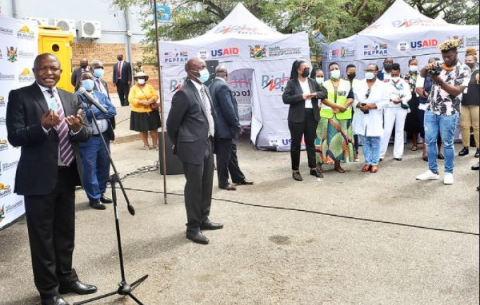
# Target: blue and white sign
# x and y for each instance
(164, 13)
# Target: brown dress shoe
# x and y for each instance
(229, 187)
(245, 182)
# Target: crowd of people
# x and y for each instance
(337, 114)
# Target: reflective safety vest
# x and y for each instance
(340, 98)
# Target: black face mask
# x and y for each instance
(351, 76)
(388, 67)
(306, 72)
(471, 65)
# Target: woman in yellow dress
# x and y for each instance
(145, 116)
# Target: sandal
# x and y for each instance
(366, 168)
(146, 147)
(414, 148)
(374, 169)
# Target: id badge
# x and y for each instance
(52, 104)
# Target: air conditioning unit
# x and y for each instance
(40, 21)
(65, 25)
(89, 29)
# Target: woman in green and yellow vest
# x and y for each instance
(334, 143)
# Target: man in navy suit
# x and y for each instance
(191, 128)
(48, 123)
(122, 79)
(227, 131)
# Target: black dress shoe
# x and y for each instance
(316, 172)
(476, 167)
(441, 156)
(399, 159)
(97, 205)
(229, 188)
(197, 237)
(296, 176)
(208, 225)
(105, 199)
(77, 287)
(245, 182)
(463, 152)
(56, 300)
(477, 153)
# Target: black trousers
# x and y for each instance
(51, 231)
(227, 161)
(308, 129)
(198, 189)
(123, 90)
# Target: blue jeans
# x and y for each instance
(371, 150)
(96, 167)
(446, 124)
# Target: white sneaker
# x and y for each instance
(429, 175)
(448, 180)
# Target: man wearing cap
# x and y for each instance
(450, 80)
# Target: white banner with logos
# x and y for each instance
(18, 48)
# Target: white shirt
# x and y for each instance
(398, 90)
(371, 124)
(211, 127)
(100, 85)
(386, 76)
(306, 90)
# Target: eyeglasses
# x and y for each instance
(368, 93)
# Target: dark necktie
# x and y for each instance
(66, 150)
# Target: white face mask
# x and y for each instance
(395, 79)
(320, 80)
(141, 81)
(335, 74)
(369, 75)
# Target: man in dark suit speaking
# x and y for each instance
(48, 123)
(191, 127)
(227, 131)
(122, 78)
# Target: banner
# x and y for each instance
(18, 48)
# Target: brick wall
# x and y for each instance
(107, 54)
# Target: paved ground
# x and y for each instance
(348, 239)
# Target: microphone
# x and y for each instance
(91, 99)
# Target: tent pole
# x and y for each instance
(162, 116)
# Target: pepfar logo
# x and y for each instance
(225, 52)
(176, 57)
(26, 76)
(375, 49)
(25, 33)
(423, 44)
(273, 83)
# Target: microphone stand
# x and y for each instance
(124, 288)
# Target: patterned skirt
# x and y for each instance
(334, 141)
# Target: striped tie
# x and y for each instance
(66, 150)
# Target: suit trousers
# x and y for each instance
(307, 128)
(227, 161)
(96, 166)
(198, 189)
(123, 89)
(51, 231)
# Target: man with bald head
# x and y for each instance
(386, 74)
(48, 123)
(227, 131)
(191, 128)
(78, 72)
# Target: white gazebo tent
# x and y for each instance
(401, 33)
(259, 60)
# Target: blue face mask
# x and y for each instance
(204, 76)
(98, 72)
(88, 84)
(414, 68)
(369, 75)
(335, 74)
(319, 80)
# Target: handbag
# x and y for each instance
(152, 106)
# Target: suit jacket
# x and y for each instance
(37, 170)
(227, 124)
(187, 124)
(75, 80)
(126, 73)
(292, 95)
(112, 120)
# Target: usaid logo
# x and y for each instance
(423, 44)
(274, 83)
(225, 52)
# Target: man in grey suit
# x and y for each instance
(191, 128)
(75, 80)
(47, 123)
(227, 131)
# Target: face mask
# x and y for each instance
(369, 75)
(387, 67)
(414, 68)
(320, 80)
(351, 76)
(471, 65)
(204, 76)
(98, 72)
(306, 72)
(141, 81)
(88, 84)
(335, 74)
(395, 79)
